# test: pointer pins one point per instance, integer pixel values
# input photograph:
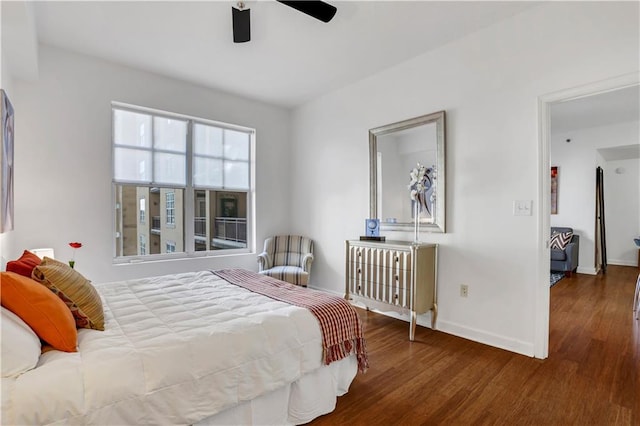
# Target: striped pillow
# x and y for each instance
(75, 291)
(560, 240)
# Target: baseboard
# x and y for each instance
(324, 290)
(491, 339)
(588, 271)
(622, 262)
(480, 336)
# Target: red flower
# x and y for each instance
(75, 245)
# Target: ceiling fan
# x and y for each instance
(242, 18)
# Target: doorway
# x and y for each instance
(546, 104)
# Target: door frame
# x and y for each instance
(542, 291)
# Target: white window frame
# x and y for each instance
(143, 244)
(170, 209)
(142, 213)
(189, 192)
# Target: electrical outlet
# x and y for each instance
(464, 290)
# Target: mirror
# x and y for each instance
(394, 151)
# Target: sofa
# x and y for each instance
(565, 260)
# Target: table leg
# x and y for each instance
(412, 326)
(434, 316)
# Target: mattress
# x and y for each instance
(176, 349)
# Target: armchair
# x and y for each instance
(287, 258)
(565, 260)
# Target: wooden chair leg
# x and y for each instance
(568, 274)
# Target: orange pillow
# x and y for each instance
(25, 264)
(42, 310)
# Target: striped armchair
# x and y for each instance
(287, 258)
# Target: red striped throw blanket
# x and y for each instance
(339, 321)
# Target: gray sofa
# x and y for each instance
(565, 260)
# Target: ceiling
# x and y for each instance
(291, 58)
(602, 109)
(616, 106)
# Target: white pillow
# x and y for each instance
(20, 346)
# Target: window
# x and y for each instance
(191, 178)
(143, 245)
(143, 210)
(170, 204)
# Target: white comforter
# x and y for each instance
(176, 349)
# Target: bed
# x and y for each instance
(188, 348)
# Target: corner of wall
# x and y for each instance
(4, 248)
(6, 82)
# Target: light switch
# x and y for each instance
(522, 207)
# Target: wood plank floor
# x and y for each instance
(592, 375)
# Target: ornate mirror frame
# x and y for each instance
(437, 224)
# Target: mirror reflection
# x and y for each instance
(407, 156)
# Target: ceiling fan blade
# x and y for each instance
(241, 25)
(316, 9)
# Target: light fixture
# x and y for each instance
(241, 23)
(241, 16)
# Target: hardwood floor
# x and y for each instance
(591, 377)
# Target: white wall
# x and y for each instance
(577, 162)
(489, 84)
(622, 210)
(63, 159)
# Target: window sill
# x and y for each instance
(134, 260)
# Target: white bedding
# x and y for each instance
(176, 350)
